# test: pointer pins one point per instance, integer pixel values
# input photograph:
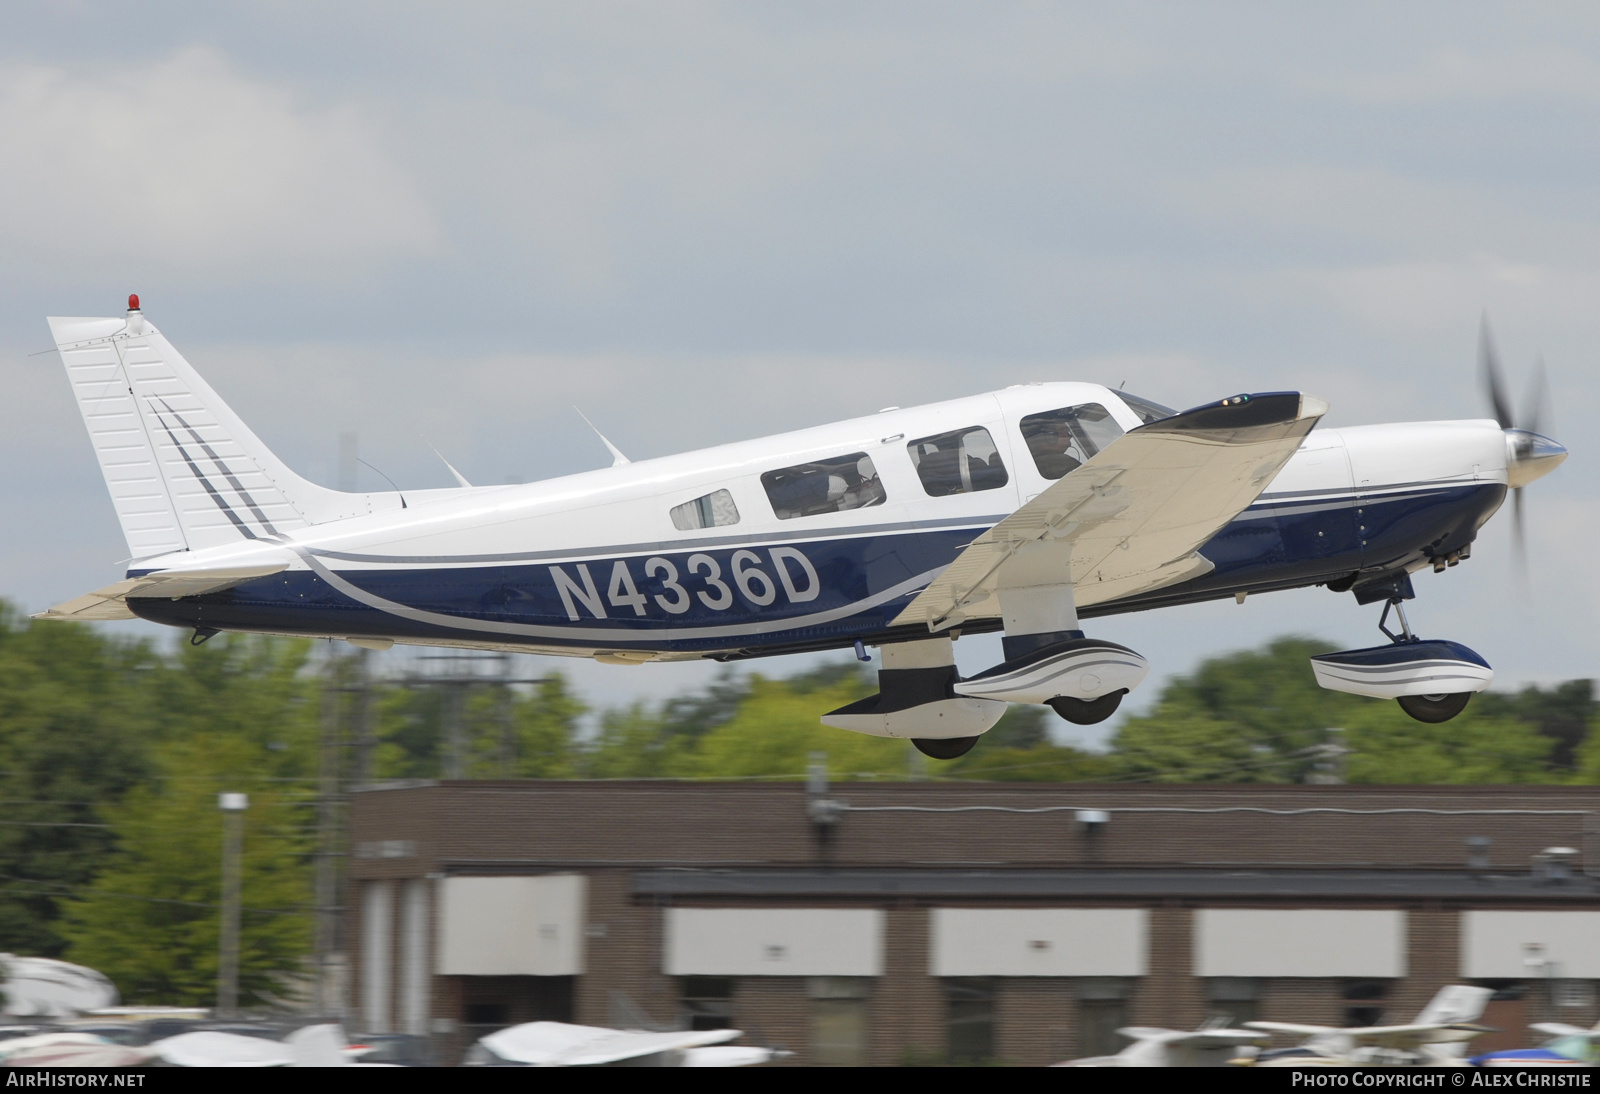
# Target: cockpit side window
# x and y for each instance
(1148, 411)
(961, 462)
(825, 486)
(714, 510)
(1063, 440)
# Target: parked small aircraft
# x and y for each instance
(1439, 1035)
(1022, 511)
(1566, 1046)
(560, 1044)
(1212, 1046)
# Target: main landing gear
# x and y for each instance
(1432, 680)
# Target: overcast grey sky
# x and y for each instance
(702, 222)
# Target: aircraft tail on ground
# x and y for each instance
(1455, 1003)
(185, 473)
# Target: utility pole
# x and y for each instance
(346, 719)
(455, 675)
(233, 807)
(324, 879)
(507, 717)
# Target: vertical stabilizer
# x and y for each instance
(185, 473)
(1455, 1003)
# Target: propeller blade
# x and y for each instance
(1493, 377)
(1536, 405)
(1519, 536)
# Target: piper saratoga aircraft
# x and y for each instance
(1023, 511)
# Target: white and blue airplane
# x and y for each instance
(1023, 511)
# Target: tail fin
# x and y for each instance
(185, 473)
(1455, 1003)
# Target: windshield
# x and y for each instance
(1148, 411)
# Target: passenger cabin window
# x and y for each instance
(826, 486)
(1148, 411)
(962, 462)
(1063, 440)
(714, 510)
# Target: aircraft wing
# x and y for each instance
(1414, 1036)
(1218, 1037)
(1132, 518)
(1408, 1036)
(1561, 1029)
(111, 601)
(1294, 1027)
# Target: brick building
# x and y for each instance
(884, 923)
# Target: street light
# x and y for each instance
(233, 807)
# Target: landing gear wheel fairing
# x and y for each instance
(1087, 712)
(1434, 708)
(944, 748)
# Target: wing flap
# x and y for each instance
(1133, 518)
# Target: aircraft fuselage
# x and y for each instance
(815, 539)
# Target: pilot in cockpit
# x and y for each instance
(1054, 442)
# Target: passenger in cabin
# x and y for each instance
(827, 486)
(960, 462)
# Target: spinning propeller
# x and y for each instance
(1529, 454)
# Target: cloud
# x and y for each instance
(1454, 75)
(184, 164)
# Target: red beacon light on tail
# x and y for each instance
(133, 301)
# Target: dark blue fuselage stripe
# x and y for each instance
(1285, 551)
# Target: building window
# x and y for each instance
(1363, 1002)
(1102, 1010)
(839, 1020)
(486, 1014)
(1232, 1000)
(970, 1026)
(707, 1002)
(962, 462)
(714, 510)
(826, 486)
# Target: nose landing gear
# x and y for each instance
(1432, 680)
(1087, 712)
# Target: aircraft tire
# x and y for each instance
(1434, 709)
(944, 748)
(1087, 712)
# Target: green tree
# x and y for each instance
(547, 730)
(1563, 713)
(1387, 746)
(634, 743)
(75, 727)
(778, 727)
(1259, 716)
(150, 919)
(239, 714)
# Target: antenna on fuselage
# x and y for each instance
(617, 458)
(460, 478)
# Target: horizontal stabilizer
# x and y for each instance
(111, 601)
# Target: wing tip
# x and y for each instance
(1264, 410)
